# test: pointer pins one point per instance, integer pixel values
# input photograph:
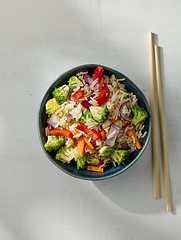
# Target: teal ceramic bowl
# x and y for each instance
(110, 171)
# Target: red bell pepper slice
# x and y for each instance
(104, 95)
(100, 163)
(76, 141)
(90, 132)
(125, 125)
(98, 73)
(77, 95)
(61, 132)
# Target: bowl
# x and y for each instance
(110, 171)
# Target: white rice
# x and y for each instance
(94, 83)
(117, 95)
(77, 112)
(62, 123)
(111, 135)
(76, 89)
(144, 134)
(116, 99)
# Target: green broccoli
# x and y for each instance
(106, 151)
(74, 81)
(120, 156)
(93, 161)
(100, 114)
(80, 160)
(69, 142)
(140, 114)
(51, 106)
(65, 154)
(61, 94)
(54, 143)
(84, 116)
(126, 96)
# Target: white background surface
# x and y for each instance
(41, 39)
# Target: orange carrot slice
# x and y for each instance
(94, 168)
(101, 82)
(103, 134)
(134, 138)
(113, 120)
(88, 143)
(80, 146)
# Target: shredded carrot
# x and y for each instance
(113, 120)
(88, 143)
(94, 168)
(103, 134)
(134, 138)
(80, 146)
(101, 82)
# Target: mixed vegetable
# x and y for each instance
(94, 121)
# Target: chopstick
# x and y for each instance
(156, 182)
(162, 131)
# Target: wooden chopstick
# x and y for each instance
(156, 181)
(162, 131)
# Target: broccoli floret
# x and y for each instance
(51, 106)
(80, 160)
(106, 151)
(127, 96)
(140, 114)
(69, 142)
(100, 114)
(120, 156)
(61, 94)
(54, 143)
(84, 116)
(93, 161)
(74, 81)
(65, 154)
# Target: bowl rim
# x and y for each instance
(103, 177)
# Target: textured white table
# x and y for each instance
(39, 40)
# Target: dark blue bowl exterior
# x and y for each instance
(110, 171)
